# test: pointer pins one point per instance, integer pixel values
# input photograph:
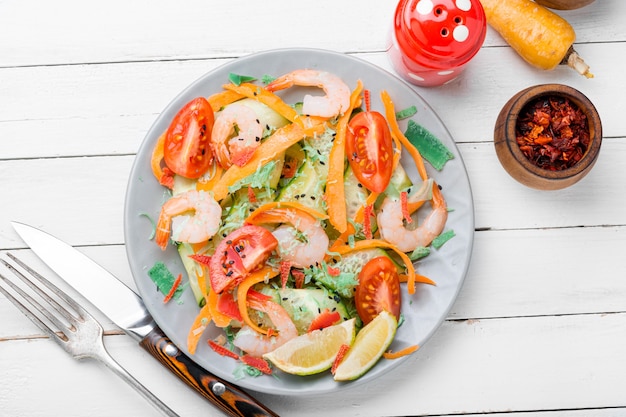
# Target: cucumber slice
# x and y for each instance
(351, 265)
(305, 187)
(400, 180)
(302, 305)
(194, 270)
(354, 191)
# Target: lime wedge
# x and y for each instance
(369, 345)
(312, 352)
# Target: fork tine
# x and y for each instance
(62, 327)
(28, 312)
(48, 284)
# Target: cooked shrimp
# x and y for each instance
(192, 216)
(242, 122)
(257, 344)
(336, 100)
(392, 229)
(303, 241)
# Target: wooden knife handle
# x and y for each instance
(227, 397)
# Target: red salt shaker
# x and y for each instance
(433, 40)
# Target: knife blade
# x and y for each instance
(126, 309)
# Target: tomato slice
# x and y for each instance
(378, 289)
(369, 150)
(238, 254)
(186, 150)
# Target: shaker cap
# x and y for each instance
(445, 32)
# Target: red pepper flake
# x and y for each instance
(201, 259)
(222, 350)
(366, 96)
(343, 349)
(298, 275)
(175, 285)
(332, 271)
(285, 267)
(405, 207)
(552, 132)
(251, 195)
(258, 363)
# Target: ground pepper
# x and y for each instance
(553, 133)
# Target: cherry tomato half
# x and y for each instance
(187, 151)
(378, 289)
(238, 254)
(369, 150)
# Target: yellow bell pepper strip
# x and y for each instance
(164, 175)
(269, 149)
(207, 184)
(268, 98)
(264, 213)
(378, 243)
(335, 193)
(220, 319)
(200, 323)
(390, 114)
(255, 277)
(223, 98)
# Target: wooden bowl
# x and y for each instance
(518, 165)
(564, 4)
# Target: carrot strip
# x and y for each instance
(268, 98)
(242, 294)
(335, 193)
(390, 112)
(377, 243)
(403, 352)
(223, 98)
(266, 152)
(172, 291)
(200, 323)
(418, 278)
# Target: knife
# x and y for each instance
(126, 309)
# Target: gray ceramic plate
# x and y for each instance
(424, 311)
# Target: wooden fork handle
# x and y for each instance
(227, 397)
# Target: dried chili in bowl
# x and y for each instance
(552, 132)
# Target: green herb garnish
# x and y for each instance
(429, 146)
(406, 113)
(237, 79)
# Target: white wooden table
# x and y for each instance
(539, 328)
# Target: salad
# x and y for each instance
(295, 221)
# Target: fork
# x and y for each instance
(77, 332)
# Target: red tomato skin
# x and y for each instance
(187, 150)
(369, 150)
(378, 289)
(238, 254)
